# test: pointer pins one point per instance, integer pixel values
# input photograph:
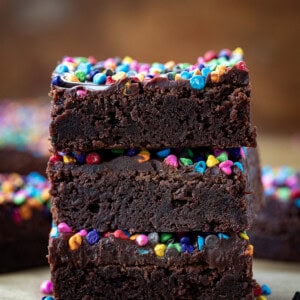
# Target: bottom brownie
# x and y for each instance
(209, 266)
(275, 234)
(25, 221)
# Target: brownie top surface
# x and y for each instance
(24, 126)
(281, 184)
(23, 194)
(212, 67)
(149, 244)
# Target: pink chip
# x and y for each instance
(63, 227)
(82, 232)
(142, 240)
(68, 59)
(225, 166)
(171, 160)
(46, 287)
(134, 65)
(81, 93)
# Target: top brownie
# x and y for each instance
(117, 104)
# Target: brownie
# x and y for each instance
(138, 109)
(24, 140)
(25, 221)
(22, 162)
(114, 268)
(153, 196)
(26, 244)
(275, 233)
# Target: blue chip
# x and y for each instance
(93, 237)
(163, 153)
(297, 202)
(143, 251)
(122, 68)
(265, 290)
(197, 82)
(185, 75)
(61, 68)
(223, 236)
(200, 166)
(56, 80)
(239, 165)
(205, 71)
(200, 242)
(185, 240)
(85, 67)
(99, 78)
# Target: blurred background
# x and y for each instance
(35, 34)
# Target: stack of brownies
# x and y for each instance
(154, 180)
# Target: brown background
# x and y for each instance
(35, 34)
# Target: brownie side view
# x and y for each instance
(113, 268)
(25, 221)
(23, 245)
(22, 162)
(152, 196)
(275, 233)
(157, 114)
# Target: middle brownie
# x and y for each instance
(154, 194)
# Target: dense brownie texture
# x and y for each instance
(275, 234)
(154, 114)
(21, 162)
(112, 269)
(23, 245)
(152, 196)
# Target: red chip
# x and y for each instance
(295, 194)
(242, 66)
(210, 55)
(257, 291)
(93, 159)
(109, 80)
(119, 234)
(55, 158)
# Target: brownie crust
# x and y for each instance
(154, 114)
(151, 196)
(112, 269)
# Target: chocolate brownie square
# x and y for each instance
(211, 266)
(118, 105)
(151, 194)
